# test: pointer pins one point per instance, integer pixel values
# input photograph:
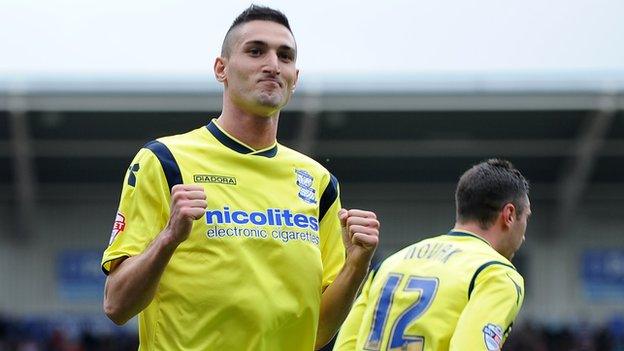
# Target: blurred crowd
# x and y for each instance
(72, 333)
(532, 337)
(65, 333)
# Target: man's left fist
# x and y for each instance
(360, 233)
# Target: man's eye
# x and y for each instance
(286, 56)
(255, 51)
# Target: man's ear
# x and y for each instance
(220, 69)
(296, 80)
(509, 214)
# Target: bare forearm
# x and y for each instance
(132, 285)
(337, 300)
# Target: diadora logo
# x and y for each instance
(132, 170)
(212, 178)
(272, 217)
(305, 182)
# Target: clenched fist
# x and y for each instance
(360, 234)
(188, 203)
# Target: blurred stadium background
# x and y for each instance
(397, 141)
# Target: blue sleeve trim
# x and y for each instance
(480, 269)
(329, 196)
(375, 268)
(508, 330)
(167, 161)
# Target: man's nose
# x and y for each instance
(272, 64)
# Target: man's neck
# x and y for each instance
(258, 132)
(474, 229)
(490, 235)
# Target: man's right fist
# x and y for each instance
(188, 203)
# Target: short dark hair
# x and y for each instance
(253, 13)
(484, 189)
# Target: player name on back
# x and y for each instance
(432, 251)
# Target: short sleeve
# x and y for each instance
(494, 302)
(143, 209)
(332, 247)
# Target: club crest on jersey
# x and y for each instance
(493, 337)
(306, 191)
(118, 226)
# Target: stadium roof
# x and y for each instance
(406, 92)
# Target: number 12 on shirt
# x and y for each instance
(424, 290)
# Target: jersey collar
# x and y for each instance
(458, 232)
(239, 146)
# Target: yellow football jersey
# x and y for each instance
(251, 274)
(451, 292)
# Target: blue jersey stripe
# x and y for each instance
(484, 266)
(167, 161)
(329, 196)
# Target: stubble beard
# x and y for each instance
(270, 99)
